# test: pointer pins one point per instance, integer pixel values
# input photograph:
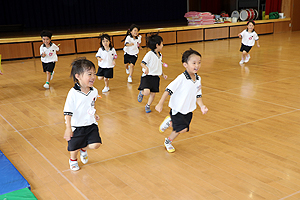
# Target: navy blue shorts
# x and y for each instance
(245, 48)
(181, 121)
(83, 136)
(150, 82)
(48, 67)
(130, 59)
(106, 72)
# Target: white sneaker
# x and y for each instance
(165, 124)
(241, 62)
(106, 89)
(247, 58)
(51, 75)
(129, 79)
(84, 157)
(169, 147)
(74, 165)
(128, 70)
(46, 85)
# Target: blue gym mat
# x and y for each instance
(10, 178)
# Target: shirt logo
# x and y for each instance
(250, 38)
(50, 54)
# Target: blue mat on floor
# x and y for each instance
(10, 178)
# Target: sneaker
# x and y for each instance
(51, 75)
(169, 147)
(46, 85)
(140, 97)
(74, 165)
(128, 70)
(106, 89)
(247, 58)
(129, 79)
(147, 108)
(84, 157)
(165, 124)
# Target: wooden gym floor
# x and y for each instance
(246, 147)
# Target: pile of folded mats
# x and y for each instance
(199, 18)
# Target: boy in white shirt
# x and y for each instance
(185, 92)
(48, 56)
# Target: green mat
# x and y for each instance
(23, 194)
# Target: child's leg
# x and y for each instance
(73, 154)
(126, 65)
(174, 134)
(48, 76)
(170, 139)
(131, 69)
(151, 98)
(73, 160)
(92, 146)
(145, 92)
(106, 82)
(100, 78)
(244, 55)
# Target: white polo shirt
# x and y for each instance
(248, 38)
(107, 56)
(153, 62)
(132, 50)
(50, 53)
(184, 93)
(81, 106)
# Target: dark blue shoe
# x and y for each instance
(140, 97)
(147, 109)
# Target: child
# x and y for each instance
(82, 131)
(106, 56)
(185, 92)
(48, 56)
(152, 69)
(249, 36)
(131, 49)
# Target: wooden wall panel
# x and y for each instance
(65, 47)
(235, 30)
(216, 33)
(189, 36)
(16, 50)
(281, 27)
(264, 28)
(87, 44)
(168, 37)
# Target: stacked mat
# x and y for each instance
(12, 184)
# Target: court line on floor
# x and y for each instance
(290, 195)
(45, 158)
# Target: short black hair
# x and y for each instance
(153, 40)
(251, 21)
(132, 26)
(46, 33)
(186, 55)
(106, 36)
(79, 66)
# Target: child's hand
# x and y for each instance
(159, 107)
(165, 76)
(146, 70)
(100, 59)
(240, 36)
(43, 54)
(68, 134)
(114, 62)
(204, 109)
(97, 117)
(258, 45)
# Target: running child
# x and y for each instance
(48, 56)
(185, 93)
(82, 131)
(106, 56)
(152, 69)
(249, 36)
(131, 49)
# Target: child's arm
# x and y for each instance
(146, 69)
(129, 44)
(99, 59)
(165, 76)
(68, 131)
(160, 104)
(204, 109)
(257, 41)
(97, 117)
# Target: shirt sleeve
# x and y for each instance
(199, 90)
(256, 36)
(127, 40)
(41, 49)
(55, 47)
(114, 52)
(98, 54)
(147, 58)
(140, 39)
(173, 86)
(69, 105)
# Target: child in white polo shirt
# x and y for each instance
(106, 56)
(131, 49)
(249, 36)
(152, 69)
(82, 131)
(48, 56)
(185, 92)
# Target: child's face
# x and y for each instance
(134, 32)
(105, 42)
(159, 47)
(250, 27)
(46, 40)
(87, 78)
(193, 64)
